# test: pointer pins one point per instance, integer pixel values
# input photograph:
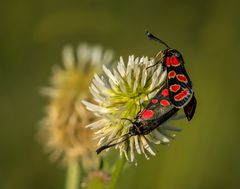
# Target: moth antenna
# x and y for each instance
(152, 37)
(108, 145)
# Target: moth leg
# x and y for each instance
(148, 97)
(155, 56)
(140, 105)
(154, 89)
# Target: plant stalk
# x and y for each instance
(73, 175)
(117, 172)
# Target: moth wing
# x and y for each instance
(158, 106)
(179, 83)
(190, 108)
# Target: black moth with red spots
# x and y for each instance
(176, 93)
(158, 110)
(181, 94)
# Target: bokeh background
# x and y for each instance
(205, 155)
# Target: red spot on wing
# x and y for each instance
(165, 92)
(168, 62)
(181, 95)
(174, 61)
(147, 114)
(171, 74)
(165, 102)
(154, 101)
(174, 88)
(182, 78)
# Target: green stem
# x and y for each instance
(73, 175)
(116, 174)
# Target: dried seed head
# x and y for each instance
(63, 128)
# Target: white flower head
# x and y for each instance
(118, 95)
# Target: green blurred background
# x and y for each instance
(205, 155)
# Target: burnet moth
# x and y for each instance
(181, 94)
(176, 93)
(158, 110)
